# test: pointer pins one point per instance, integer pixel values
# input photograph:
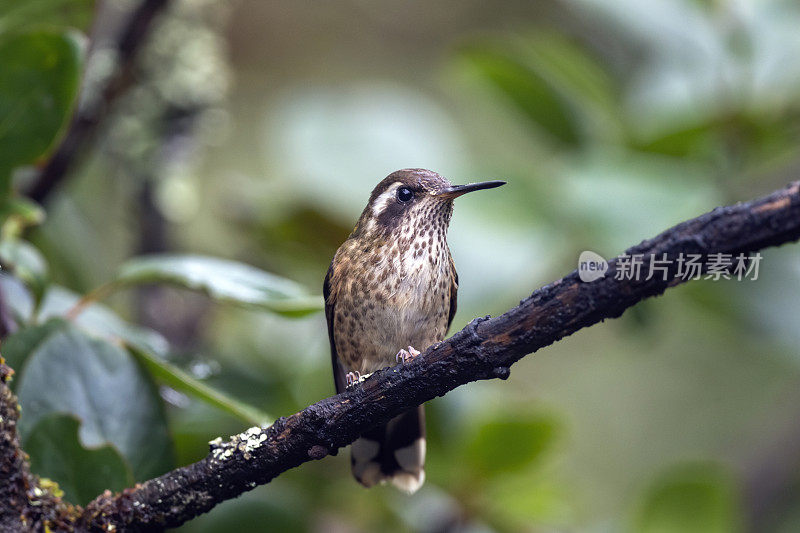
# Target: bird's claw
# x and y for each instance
(404, 356)
(353, 378)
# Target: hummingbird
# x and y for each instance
(390, 289)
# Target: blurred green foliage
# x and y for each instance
(39, 84)
(226, 281)
(42, 57)
(62, 370)
(82, 473)
(254, 133)
(691, 498)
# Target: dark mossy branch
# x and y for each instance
(24, 504)
(13, 468)
(485, 349)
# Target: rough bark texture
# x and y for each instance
(485, 349)
(26, 506)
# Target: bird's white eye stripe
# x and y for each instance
(385, 197)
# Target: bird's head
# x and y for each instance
(414, 200)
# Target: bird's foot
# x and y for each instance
(405, 356)
(352, 378)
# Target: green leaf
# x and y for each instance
(691, 498)
(17, 214)
(101, 321)
(100, 383)
(183, 382)
(569, 67)
(525, 498)
(526, 89)
(693, 140)
(38, 88)
(580, 80)
(502, 446)
(95, 318)
(18, 298)
(26, 341)
(26, 263)
(552, 81)
(82, 473)
(227, 281)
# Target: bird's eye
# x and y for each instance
(404, 194)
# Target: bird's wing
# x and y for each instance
(453, 293)
(330, 305)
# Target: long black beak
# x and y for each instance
(454, 191)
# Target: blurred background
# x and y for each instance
(254, 131)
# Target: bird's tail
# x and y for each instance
(393, 452)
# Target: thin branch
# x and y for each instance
(485, 349)
(86, 121)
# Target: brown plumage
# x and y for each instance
(392, 286)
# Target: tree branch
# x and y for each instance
(24, 505)
(86, 121)
(485, 349)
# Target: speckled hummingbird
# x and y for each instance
(390, 289)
